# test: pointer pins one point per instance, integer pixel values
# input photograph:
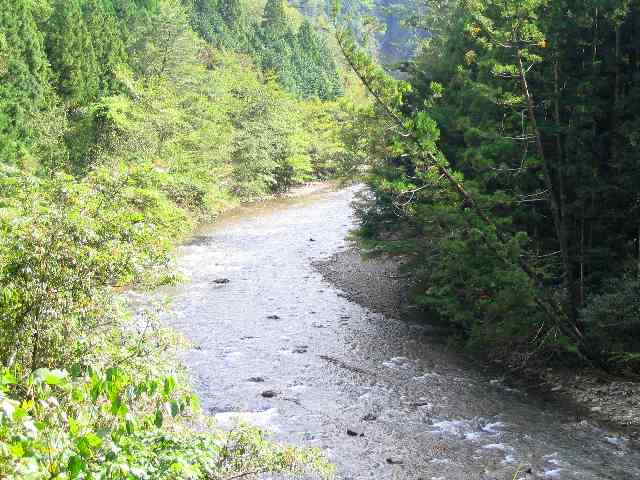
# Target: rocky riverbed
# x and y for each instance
(293, 331)
(379, 284)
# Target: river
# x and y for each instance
(378, 394)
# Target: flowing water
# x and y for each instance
(381, 397)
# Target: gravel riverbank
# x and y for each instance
(377, 284)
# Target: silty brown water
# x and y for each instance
(378, 394)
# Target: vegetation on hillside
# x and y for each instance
(505, 168)
(122, 124)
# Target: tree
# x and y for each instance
(165, 42)
(317, 71)
(275, 23)
(107, 40)
(232, 13)
(67, 34)
(24, 77)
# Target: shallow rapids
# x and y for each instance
(382, 397)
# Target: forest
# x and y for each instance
(123, 124)
(500, 160)
(504, 167)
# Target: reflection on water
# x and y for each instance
(280, 347)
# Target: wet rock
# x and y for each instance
(394, 461)
(215, 410)
(269, 394)
(369, 417)
(221, 281)
(615, 440)
(273, 317)
(255, 379)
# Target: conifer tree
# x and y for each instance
(107, 40)
(71, 53)
(275, 23)
(24, 76)
(206, 19)
(232, 13)
(317, 71)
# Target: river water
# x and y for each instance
(381, 397)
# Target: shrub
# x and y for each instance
(612, 322)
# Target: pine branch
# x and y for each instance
(550, 308)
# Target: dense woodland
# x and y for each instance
(124, 123)
(510, 175)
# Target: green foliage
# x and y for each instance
(24, 77)
(125, 423)
(612, 322)
(122, 126)
(317, 72)
(275, 23)
(77, 75)
(301, 60)
(62, 243)
(165, 41)
(109, 46)
(536, 133)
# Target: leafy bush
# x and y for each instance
(612, 322)
(125, 423)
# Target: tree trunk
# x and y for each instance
(555, 200)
